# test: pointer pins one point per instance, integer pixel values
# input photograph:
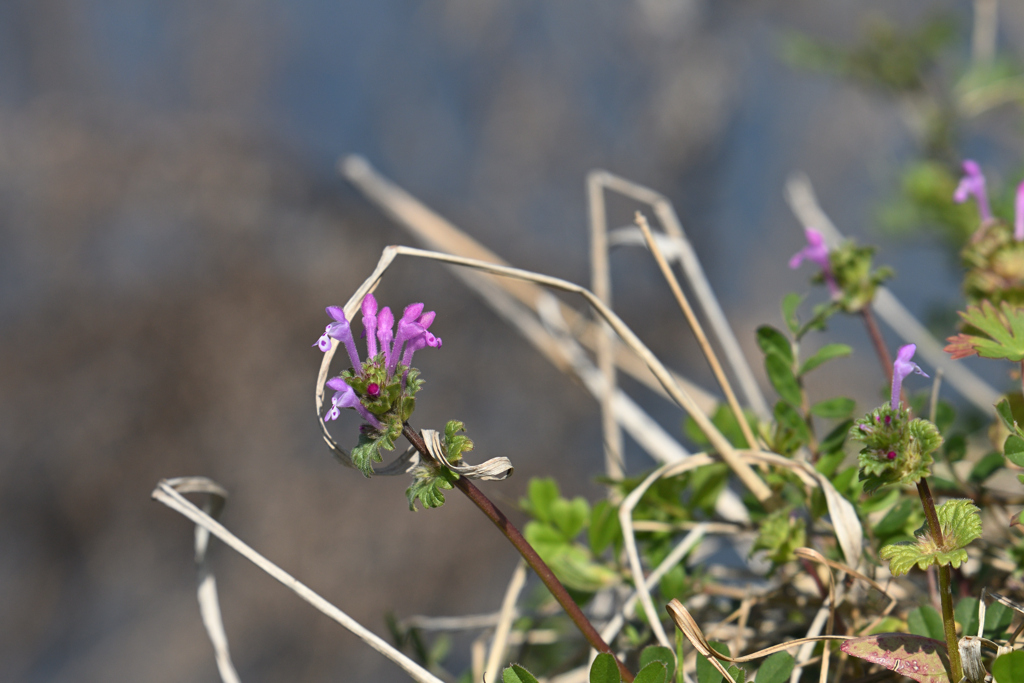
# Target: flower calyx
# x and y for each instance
(897, 449)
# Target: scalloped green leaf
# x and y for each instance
(823, 355)
(428, 485)
(960, 521)
(1003, 330)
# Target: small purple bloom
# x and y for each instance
(973, 185)
(385, 332)
(342, 331)
(370, 324)
(902, 367)
(1018, 226)
(891, 455)
(373, 390)
(345, 397)
(816, 252)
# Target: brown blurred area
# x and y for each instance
(171, 230)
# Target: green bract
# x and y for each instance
(851, 267)
(897, 449)
(960, 521)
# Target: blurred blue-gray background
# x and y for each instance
(172, 226)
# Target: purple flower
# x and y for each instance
(1018, 226)
(973, 185)
(370, 324)
(339, 330)
(900, 369)
(816, 252)
(385, 332)
(409, 329)
(345, 397)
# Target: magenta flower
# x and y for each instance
(373, 379)
(345, 397)
(902, 367)
(342, 331)
(1018, 226)
(370, 324)
(816, 252)
(973, 185)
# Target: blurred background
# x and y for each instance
(172, 227)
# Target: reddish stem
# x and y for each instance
(529, 554)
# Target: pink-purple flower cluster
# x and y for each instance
(972, 185)
(817, 253)
(384, 345)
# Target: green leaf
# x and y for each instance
(780, 534)
(787, 416)
(456, 444)
(960, 521)
(655, 672)
(540, 494)
(966, 614)
(1014, 450)
(706, 671)
(1005, 413)
(1002, 333)
(987, 466)
(790, 303)
(780, 373)
(657, 653)
(997, 619)
(926, 621)
(1009, 668)
(707, 482)
(428, 484)
(604, 669)
(776, 669)
(830, 461)
(836, 438)
(570, 516)
(823, 355)
(737, 674)
(571, 562)
(838, 408)
(896, 519)
(893, 650)
(517, 674)
(604, 526)
(770, 340)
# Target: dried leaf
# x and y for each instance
(916, 657)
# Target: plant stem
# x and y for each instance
(877, 341)
(945, 587)
(529, 554)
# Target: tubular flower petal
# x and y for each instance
(902, 367)
(1018, 223)
(370, 324)
(817, 253)
(385, 331)
(341, 330)
(973, 185)
(345, 397)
